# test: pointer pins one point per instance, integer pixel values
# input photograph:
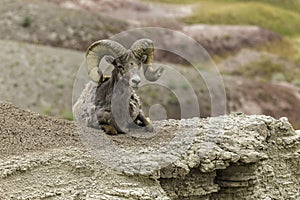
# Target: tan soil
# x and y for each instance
(277, 99)
(38, 78)
(43, 22)
(136, 12)
(219, 39)
(23, 131)
(76, 24)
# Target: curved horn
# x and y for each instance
(95, 53)
(143, 50)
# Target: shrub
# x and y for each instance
(26, 22)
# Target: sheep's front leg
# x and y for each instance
(109, 129)
(107, 123)
(145, 121)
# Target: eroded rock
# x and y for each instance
(227, 157)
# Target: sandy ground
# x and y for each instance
(38, 78)
(23, 132)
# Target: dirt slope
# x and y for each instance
(76, 24)
(137, 12)
(42, 22)
(38, 78)
(221, 39)
(47, 75)
(23, 131)
(277, 99)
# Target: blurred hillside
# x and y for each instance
(256, 45)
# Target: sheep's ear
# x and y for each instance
(144, 58)
(109, 59)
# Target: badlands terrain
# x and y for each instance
(252, 45)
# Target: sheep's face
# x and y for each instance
(129, 68)
(133, 77)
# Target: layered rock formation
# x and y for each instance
(227, 157)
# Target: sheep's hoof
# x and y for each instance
(109, 130)
(125, 130)
(149, 128)
(148, 125)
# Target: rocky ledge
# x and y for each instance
(226, 157)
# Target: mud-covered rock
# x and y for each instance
(227, 157)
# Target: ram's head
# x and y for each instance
(142, 51)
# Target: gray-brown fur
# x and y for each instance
(116, 102)
(115, 105)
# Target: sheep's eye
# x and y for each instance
(120, 67)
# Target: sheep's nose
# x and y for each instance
(136, 81)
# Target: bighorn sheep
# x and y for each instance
(111, 103)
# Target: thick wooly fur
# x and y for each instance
(110, 103)
(84, 109)
(126, 107)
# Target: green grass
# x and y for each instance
(293, 5)
(296, 45)
(26, 22)
(274, 18)
(296, 82)
(268, 70)
(282, 16)
(264, 68)
(68, 115)
(176, 1)
(289, 48)
(48, 110)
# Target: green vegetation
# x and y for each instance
(282, 16)
(287, 49)
(172, 99)
(68, 115)
(283, 21)
(48, 110)
(269, 70)
(293, 5)
(176, 1)
(26, 22)
(264, 68)
(296, 82)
